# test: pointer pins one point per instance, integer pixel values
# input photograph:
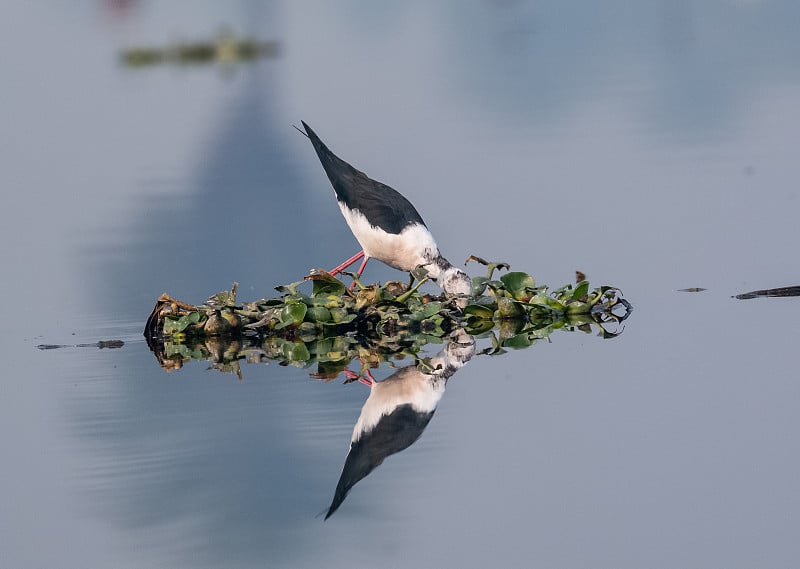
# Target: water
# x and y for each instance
(652, 147)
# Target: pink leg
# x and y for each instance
(349, 262)
(363, 264)
(360, 270)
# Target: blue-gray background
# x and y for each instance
(653, 146)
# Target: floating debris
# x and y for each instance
(332, 325)
(770, 292)
(110, 344)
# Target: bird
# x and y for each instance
(397, 412)
(386, 225)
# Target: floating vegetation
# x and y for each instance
(332, 325)
(224, 49)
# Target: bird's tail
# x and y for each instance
(325, 155)
(334, 166)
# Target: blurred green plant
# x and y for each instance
(224, 49)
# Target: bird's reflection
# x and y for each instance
(398, 410)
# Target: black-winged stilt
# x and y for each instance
(385, 224)
(397, 411)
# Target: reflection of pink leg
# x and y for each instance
(349, 262)
(352, 376)
(370, 380)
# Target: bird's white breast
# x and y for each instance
(408, 387)
(405, 251)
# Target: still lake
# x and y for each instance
(653, 147)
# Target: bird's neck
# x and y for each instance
(437, 265)
(452, 279)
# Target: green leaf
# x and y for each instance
(296, 352)
(508, 308)
(292, 313)
(579, 308)
(173, 325)
(520, 285)
(479, 285)
(479, 311)
(428, 310)
(581, 290)
(518, 342)
(318, 314)
(341, 316)
(479, 326)
(325, 284)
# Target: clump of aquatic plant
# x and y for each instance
(223, 49)
(331, 325)
(517, 303)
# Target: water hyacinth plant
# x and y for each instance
(331, 325)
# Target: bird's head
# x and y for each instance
(455, 281)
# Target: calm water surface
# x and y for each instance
(653, 147)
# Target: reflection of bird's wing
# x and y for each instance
(394, 432)
(396, 413)
(382, 205)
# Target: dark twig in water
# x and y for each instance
(770, 292)
(110, 344)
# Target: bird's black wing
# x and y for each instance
(382, 205)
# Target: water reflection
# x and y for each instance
(398, 408)
(397, 412)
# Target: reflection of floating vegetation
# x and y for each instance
(332, 325)
(225, 49)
